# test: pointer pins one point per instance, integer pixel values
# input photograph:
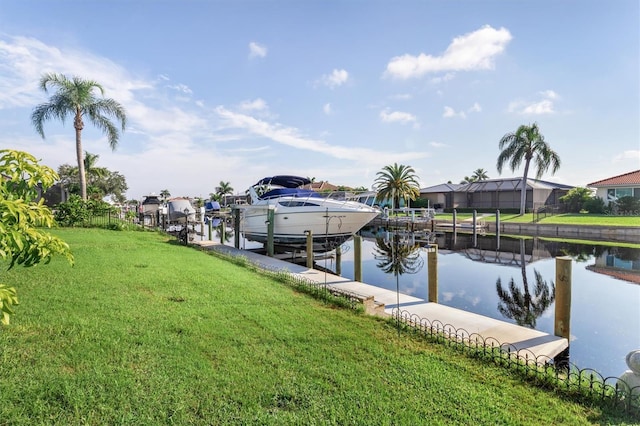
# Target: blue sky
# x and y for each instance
(239, 90)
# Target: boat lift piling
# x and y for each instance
(432, 265)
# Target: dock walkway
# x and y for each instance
(511, 337)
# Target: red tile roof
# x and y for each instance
(631, 178)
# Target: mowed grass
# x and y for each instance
(560, 219)
(143, 331)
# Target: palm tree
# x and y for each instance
(396, 182)
(223, 189)
(75, 97)
(527, 143)
(479, 174)
(165, 194)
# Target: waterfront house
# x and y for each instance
(494, 194)
(625, 185)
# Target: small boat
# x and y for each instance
(180, 208)
(298, 211)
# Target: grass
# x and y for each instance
(560, 219)
(144, 331)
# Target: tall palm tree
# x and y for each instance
(397, 182)
(479, 174)
(224, 189)
(526, 144)
(165, 194)
(76, 98)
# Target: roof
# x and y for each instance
(631, 178)
(510, 184)
(443, 187)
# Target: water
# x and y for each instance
(488, 278)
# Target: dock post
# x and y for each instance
(357, 258)
(236, 227)
(223, 226)
(498, 229)
(475, 229)
(432, 264)
(339, 260)
(562, 324)
(455, 218)
(210, 229)
(309, 235)
(271, 216)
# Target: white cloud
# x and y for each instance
(397, 117)
(448, 76)
(335, 79)
(473, 51)
(475, 107)
(451, 113)
(254, 105)
(256, 50)
(183, 88)
(437, 144)
(535, 107)
(628, 155)
(290, 136)
(402, 97)
(327, 109)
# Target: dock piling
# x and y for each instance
(562, 324)
(357, 258)
(432, 264)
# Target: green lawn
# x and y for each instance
(561, 219)
(143, 331)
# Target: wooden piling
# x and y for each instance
(357, 258)
(309, 249)
(271, 217)
(432, 265)
(562, 324)
(236, 227)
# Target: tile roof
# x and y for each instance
(631, 178)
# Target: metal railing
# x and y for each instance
(548, 210)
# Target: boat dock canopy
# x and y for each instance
(284, 180)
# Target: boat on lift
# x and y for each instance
(298, 211)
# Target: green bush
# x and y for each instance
(576, 199)
(76, 212)
(628, 205)
(595, 205)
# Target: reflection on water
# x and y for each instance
(512, 280)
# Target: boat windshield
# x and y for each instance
(296, 203)
(290, 192)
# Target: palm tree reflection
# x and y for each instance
(398, 255)
(519, 304)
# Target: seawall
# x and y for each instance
(623, 234)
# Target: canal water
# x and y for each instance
(513, 280)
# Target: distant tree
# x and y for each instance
(224, 189)
(576, 198)
(75, 97)
(479, 174)
(396, 182)
(165, 194)
(24, 218)
(526, 144)
(101, 182)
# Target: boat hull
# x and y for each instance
(331, 222)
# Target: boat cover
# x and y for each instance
(290, 192)
(284, 180)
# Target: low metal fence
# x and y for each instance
(556, 373)
(548, 210)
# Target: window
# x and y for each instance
(620, 192)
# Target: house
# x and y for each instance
(495, 194)
(625, 185)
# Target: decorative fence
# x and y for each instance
(558, 374)
(548, 210)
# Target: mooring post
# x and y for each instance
(270, 226)
(455, 218)
(498, 229)
(210, 229)
(432, 264)
(309, 235)
(223, 226)
(475, 229)
(562, 326)
(236, 227)
(339, 260)
(357, 258)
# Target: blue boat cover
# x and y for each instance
(284, 180)
(290, 192)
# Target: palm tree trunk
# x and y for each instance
(523, 190)
(78, 125)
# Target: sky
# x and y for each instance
(235, 91)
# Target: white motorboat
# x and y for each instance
(297, 211)
(180, 210)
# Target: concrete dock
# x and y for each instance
(538, 345)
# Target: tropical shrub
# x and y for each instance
(78, 212)
(575, 199)
(628, 205)
(595, 205)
